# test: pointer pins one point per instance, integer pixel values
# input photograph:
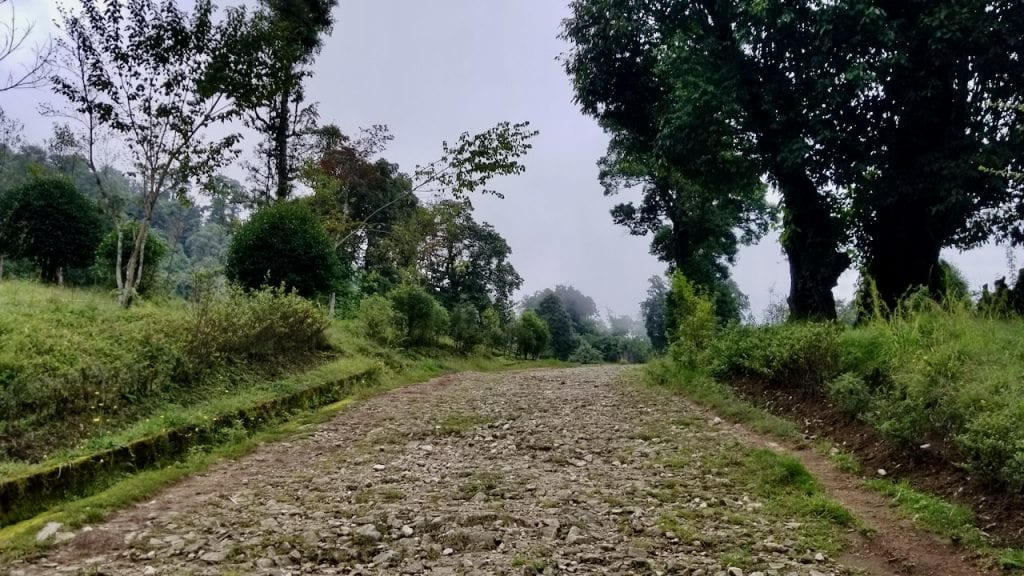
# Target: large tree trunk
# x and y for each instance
(812, 235)
(898, 272)
(811, 239)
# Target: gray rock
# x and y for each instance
(213, 557)
(385, 558)
(368, 532)
(576, 536)
(48, 531)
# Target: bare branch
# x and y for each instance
(13, 39)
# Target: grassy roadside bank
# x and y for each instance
(19, 539)
(932, 513)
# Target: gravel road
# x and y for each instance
(573, 471)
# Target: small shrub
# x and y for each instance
(379, 321)
(258, 325)
(153, 254)
(494, 334)
(423, 320)
(692, 323)
(850, 394)
(586, 354)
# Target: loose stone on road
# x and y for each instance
(539, 472)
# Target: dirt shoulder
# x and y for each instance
(540, 472)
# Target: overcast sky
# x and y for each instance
(431, 70)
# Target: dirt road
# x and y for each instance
(542, 472)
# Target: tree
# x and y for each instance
(13, 37)
(462, 260)
(655, 313)
(360, 200)
(10, 138)
(423, 318)
(284, 244)
(694, 91)
(940, 97)
(871, 118)
(465, 327)
(50, 223)
(531, 335)
(581, 308)
(139, 69)
(559, 323)
(155, 253)
(474, 160)
(270, 53)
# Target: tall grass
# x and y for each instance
(929, 377)
(74, 365)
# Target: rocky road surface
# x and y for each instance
(538, 472)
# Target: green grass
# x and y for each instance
(707, 391)
(228, 401)
(75, 368)
(933, 514)
(56, 345)
(19, 539)
(957, 523)
(930, 376)
(789, 490)
(460, 423)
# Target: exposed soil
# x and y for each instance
(541, 472)
(932, 470)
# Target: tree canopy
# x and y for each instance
(284, 244)
(50, 223)
(871, 119)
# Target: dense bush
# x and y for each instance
(531, 335)
(153, 254)
(930, 374)
(784, 356)
(691, 323)
(635, 350)
(284, 245)
(423, 319)
(586, 354)
(50, 223)
(378, 320)
(258, 325)
(465, 327)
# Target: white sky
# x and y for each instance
(431, 70)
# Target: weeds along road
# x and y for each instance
(543, 472)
